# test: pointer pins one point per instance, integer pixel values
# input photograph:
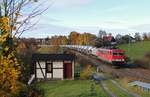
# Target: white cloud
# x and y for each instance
(69, 3)
(114, 9)
(50, 26)
(141, 27)
(61, 4)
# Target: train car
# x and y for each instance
(93, 51)
(113, 56)
(85, 49)
(109, 55)
(89, 49)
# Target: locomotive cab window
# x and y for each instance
(121, 54)
(118, 54)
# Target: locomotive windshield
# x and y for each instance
(118, 54)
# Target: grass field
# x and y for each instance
(136, 50)
(76, 88)
(114, 89)
(136, 90)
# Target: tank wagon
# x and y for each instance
(109, 55)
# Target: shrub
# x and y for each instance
(93, 91)
(144, 62)
(4, 94)
(127, 59)
(31, 91)
(86, 72)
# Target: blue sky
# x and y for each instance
(114, 16)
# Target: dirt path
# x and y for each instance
(125, 90)
(105, 88)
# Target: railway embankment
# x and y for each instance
(136, 73)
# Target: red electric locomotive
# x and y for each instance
(113, 56)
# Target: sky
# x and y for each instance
(114, 16)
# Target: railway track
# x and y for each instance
(101, 78)
(138, 73)
(125, 90)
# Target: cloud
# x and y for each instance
(60, 4)
(141, 28)
(117, 8)
(44, 30)
(69, 3)
(47, 20)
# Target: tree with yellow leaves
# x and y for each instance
(76, 38)
(73, 37)
(10, 11)
(9, 67)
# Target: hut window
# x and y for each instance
(49, 68)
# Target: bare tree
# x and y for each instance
(101, 34)
(21, 13)
(145, 36)
(118, 38)
(137, 36)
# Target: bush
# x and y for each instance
(93, 91)
(144, 62)
(31, 91)
(4, 94)
(86, 73)
(127, 59)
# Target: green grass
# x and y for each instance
(114, 89)
(136, 50)
(144, 94)
(76, 88)
(133, 89)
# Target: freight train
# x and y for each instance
(106, 54)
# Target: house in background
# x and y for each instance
(53, 66)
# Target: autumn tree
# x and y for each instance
(86, 39)
(76, 38)
(58, 40)
(9, 67)
(73, 37)
(12, 24)
(24, 49)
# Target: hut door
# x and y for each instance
(67, 70)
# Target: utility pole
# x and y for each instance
(129, 45)
(0, 12)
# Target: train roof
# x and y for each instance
(114, 50)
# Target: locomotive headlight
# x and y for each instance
(118, 59)
(122, 59)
